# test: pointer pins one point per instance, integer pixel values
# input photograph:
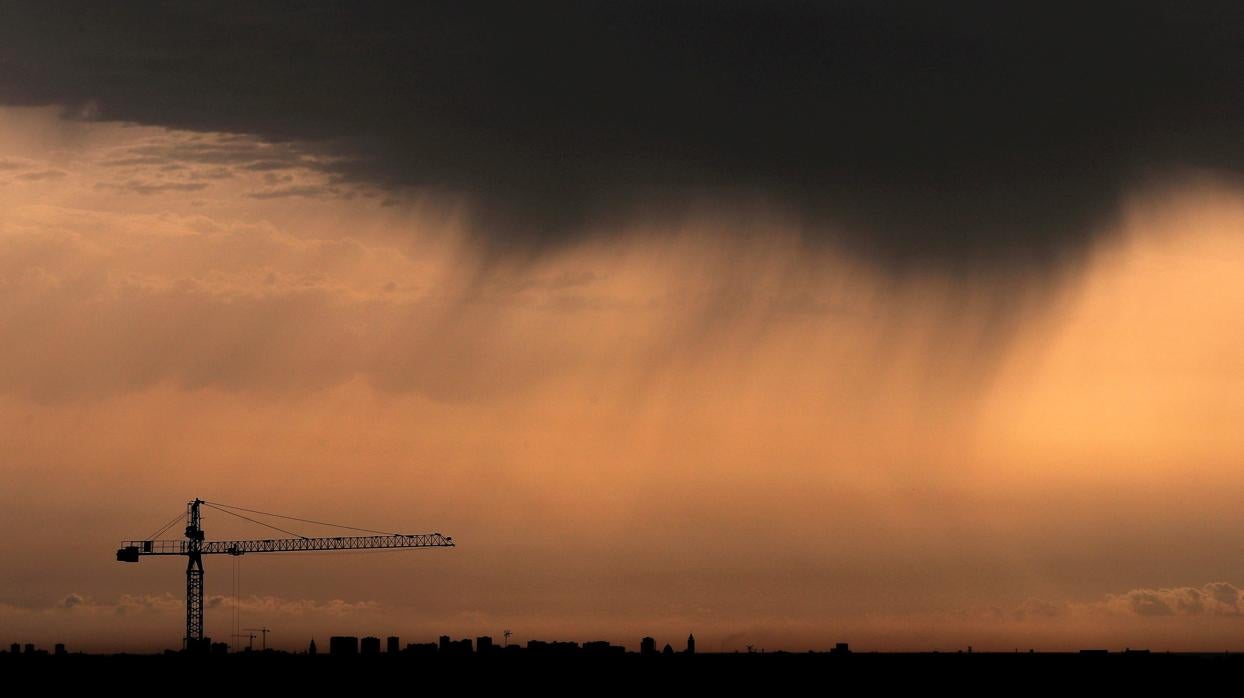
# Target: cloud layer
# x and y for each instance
(912, 135)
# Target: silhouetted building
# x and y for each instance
(483, 645)
(668, 651)
(392, 645)
(60, 648)
(690, 644)
(30, 648)
(311, 649)
(15, 648)
(602, 648)
(841, 648)
(542, 647)
(219, 648)
(343, 646)
(444, 643)
(370, 645)
(647, 646)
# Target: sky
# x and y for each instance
(784, 324)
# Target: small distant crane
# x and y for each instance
(265, 632)
(250, 642)
(507, 635)
(194, 547)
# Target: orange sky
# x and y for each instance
(657, 432)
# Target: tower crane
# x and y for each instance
(195, 546)
(265, 630)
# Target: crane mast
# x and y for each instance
(194, 577)
(194, 547)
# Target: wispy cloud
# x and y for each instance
(146, 188)
(41, 175)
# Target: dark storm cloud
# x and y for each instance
(935, 132)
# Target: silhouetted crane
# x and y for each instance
(250, 640)
(194, 547)
(265, 632)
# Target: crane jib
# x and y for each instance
(130, 551)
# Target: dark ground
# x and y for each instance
(764, 674)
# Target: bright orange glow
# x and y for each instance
(741, 436)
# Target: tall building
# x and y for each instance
(392, 646)
(311, 649)
(370, 645)
(444, 643)
(15, 648)
(483, 644)
(647, 646)
(690, 644)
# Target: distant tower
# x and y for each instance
(393, 644)
(311, 647)
(667, 651)
(647, 646)
(690, 644)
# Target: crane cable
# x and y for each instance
(237, 596)
(165, 527)
(295, 518)
(261, 523)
